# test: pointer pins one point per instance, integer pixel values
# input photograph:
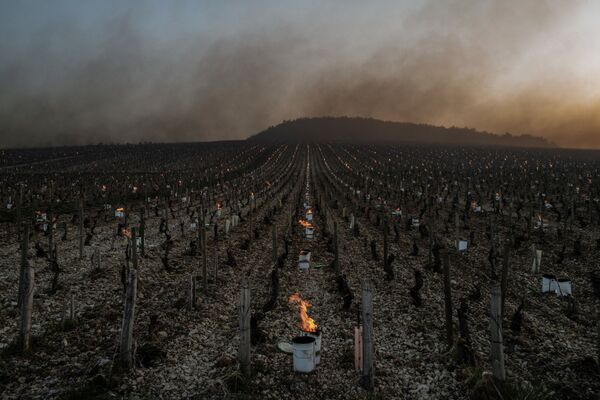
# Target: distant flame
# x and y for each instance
(218, 206)
(121, 209)
(305, 223)
(307, 324)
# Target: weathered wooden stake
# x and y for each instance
(126, 350)
(215, 261)
(204, 260)
(51, 226)
(456, 230)
(497, 350)
(72, 308)
(134, 249)
(81, 235)
(504, 275)
(386, 249)
(192, 292)
(336, 250)
(143, 231)
(448, 301)
(96, 259)
(19, 211)
(24, 262)
(26, 308)
(274, 245)
(368, 376)
(244, 314)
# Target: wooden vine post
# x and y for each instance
(368, 376)
(456, 230)
(274, 239)
(81, 236)
(386, 251)
(26, 287)
(336, 259)
(448, 301)
(51, 227)
(143, 229)
(24, 262)
(19, 211)
(504, 275)
(244, 317)
(204, 259)
(497, 350)
(192, 292)
(126, 345)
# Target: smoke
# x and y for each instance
(460, 62)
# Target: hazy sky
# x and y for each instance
(84, 71)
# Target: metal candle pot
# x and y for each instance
(317, 336)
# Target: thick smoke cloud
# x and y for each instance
(460, 62)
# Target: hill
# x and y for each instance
(368, 130)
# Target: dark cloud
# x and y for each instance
(442, 63)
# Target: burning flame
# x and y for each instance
(218, 206)
(307, 324)
(309, 211)
(304, 223)
(126, 233)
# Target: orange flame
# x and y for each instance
(304, 223)
(120, 209)
(307, 324)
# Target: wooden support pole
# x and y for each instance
(274, 244)
(24, 262)
(19, 211)
(134, 249)
(336, 250)
(497, 348)
(456, 230)
(192, 292)
(143, 230)
(126, 348)
(598, 333)
(244, 315)
(81, 235)
(72, 308)
(26, 308)
(367, 381)
(51, 226)
(215, 261)
(448, 301)
(386, 249)
(97, 258)
(504, 275)
(204, 260)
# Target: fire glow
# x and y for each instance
(307, 324)
(126, 233)
(305, 223)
